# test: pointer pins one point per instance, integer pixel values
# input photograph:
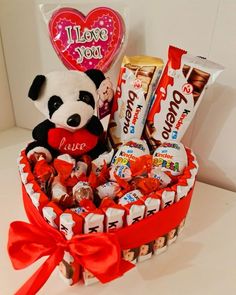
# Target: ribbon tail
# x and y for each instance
(39, 278)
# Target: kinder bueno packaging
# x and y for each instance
(171, 157)
(137, 79)
(130, 151)
(178, 95)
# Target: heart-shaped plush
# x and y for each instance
(73, 143)
(86, 42)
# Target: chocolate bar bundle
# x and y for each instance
(104, 215)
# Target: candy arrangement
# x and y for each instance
(110, 194)
(84, 197)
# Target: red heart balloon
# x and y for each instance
(86, 42)
(73, 143)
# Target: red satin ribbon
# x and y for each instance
(100, 253)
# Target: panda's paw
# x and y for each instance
(34, 151)
(95, 126)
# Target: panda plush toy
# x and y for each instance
(68, 100)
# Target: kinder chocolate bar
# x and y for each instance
(93, 223)
(152, 203)
(38, 199)
(178, 95)
(70, 224)
(51, 213)
(135, 210)
(69, 271)
(170, 157)
(114, 214)
(130, 151)
(138, 76)
(172, 236)
(160, 245)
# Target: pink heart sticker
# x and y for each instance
(86, 42)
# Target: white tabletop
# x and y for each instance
(202, 261)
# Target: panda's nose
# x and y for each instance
(74, 120)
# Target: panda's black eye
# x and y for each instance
(53, 104)
(87, 97)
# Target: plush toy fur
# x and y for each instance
(68, 100)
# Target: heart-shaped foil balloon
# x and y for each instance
(87, 42)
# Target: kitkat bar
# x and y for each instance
(70, 224)
(51, 213)
(93, 223)
(178, 95)
(138, 76)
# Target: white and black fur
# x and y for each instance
(68, 100)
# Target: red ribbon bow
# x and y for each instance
(99, 253)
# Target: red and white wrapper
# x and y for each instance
(137, 79)
(70, 224)
(51, 213)
(178, 95)
(93, 223)
(135, 211)
(152, 203)
(114, 215)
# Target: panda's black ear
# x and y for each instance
(36, 87)
(96, 75)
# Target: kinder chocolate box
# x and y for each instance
(82, 238)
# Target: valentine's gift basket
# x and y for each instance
(106, 182)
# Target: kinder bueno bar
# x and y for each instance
(130, 151)
(114, 214)
(51, 214)
(171, 157)
(138, 76)
(178, 95)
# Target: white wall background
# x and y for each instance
(6, 110)
(204, 27)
